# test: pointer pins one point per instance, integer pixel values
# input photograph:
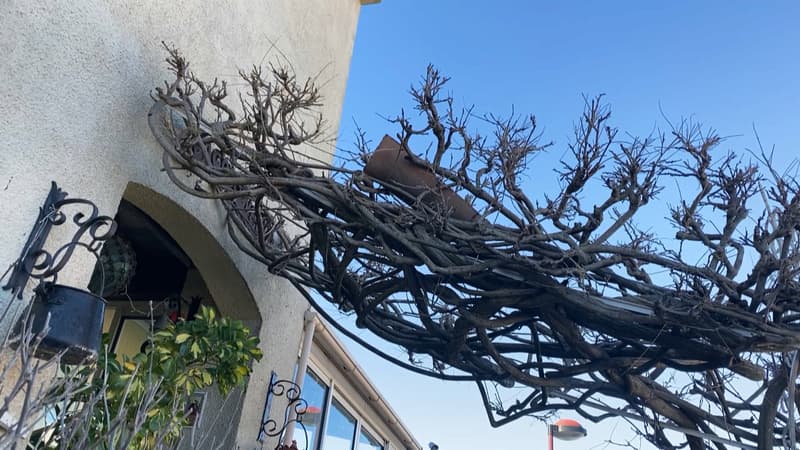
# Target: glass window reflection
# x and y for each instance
(315, 393)
(367, 442)
(329, 426)
(341, 429)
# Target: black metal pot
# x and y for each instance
(76, 323)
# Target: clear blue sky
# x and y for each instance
(731, 65)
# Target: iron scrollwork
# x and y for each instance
(36, 262)
(295, 408)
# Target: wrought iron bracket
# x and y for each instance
(293, 412)
(36, 262)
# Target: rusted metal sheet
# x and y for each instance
(391, 164)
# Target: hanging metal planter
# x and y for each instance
(74, 321)
(67, 320)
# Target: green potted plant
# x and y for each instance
(141, 402)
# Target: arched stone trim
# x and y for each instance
(225, 283)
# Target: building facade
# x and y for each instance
(76, 83)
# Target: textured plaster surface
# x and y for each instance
(76, 83)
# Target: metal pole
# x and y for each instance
(550, 437)
(308, 337)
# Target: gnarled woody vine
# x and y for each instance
(478, 279)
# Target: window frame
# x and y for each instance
(368, 431)
(332, 390)
(327, 384)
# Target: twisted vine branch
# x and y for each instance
(454, 261)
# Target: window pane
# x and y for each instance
(314, 392)
(367, 442)
(341, 428)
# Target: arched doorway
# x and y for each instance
(174, 265)
(147, 280)
(178, 241)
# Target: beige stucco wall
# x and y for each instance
(75, 82)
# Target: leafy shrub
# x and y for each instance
(141, 402)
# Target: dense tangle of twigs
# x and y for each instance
(571, 300)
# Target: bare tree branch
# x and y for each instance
(455, 262)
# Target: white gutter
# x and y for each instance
(310, 322)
